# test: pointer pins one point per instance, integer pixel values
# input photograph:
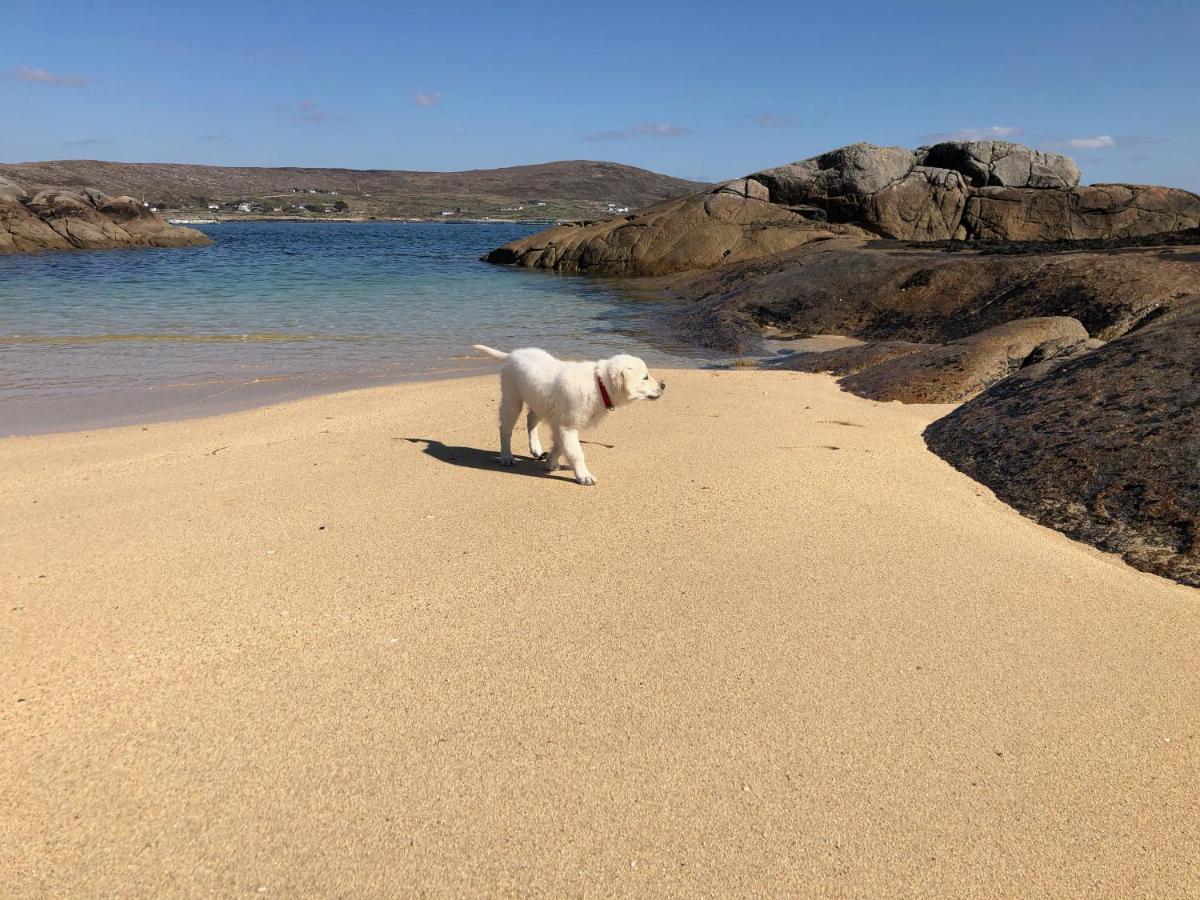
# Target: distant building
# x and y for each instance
(214, 206)
(447, 212)
(243, 207)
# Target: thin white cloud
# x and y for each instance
(990, 133)
(304, 111)
(1092, 143)
(775, 120)
(88, 142)
(41, 76)
(648, 129)
(426, 99)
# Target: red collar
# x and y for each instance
(608, 404)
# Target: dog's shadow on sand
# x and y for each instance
(474, 458)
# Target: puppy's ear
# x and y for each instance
(617, 376)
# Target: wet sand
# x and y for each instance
(329, 648)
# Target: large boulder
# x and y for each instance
(951, 373)
(77, 220)
(1002, 164)
(55, 219)
(21, 231)
(1096, 211)
(1104, 447)
(12, 192)
(730, 223)
(966, 190)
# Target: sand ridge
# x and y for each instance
(330, 649)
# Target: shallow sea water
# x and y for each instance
(275, 310)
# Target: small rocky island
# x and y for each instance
(1065, 318)
(56, 219)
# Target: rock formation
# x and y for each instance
(89, 220)
(957, 371)
(1104, 446)
(882, 291)
(964, 190)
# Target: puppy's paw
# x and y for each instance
(586, 479)
(541, 457)
(507, 461)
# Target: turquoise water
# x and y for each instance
(280, 309)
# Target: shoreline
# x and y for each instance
(380, 662)
(189, 403)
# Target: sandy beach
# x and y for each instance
(329, 648)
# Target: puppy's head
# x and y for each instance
(633, 380)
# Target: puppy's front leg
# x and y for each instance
(574, 453)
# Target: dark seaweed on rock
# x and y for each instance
(1104, 447)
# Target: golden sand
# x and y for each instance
(780, 649)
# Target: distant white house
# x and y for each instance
(447, 212)
(243, 207)
(214, 206)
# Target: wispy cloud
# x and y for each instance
(310, 112)
(210, 138)
(774, 120)
(41, 76)
(648, 129)
(990, 133)
(88, 142)
(304, 111)
(1092, 143)
(426, 99)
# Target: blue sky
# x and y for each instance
(700, 90)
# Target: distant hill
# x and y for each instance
(579, 188)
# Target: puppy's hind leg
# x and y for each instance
(510, 411)
(535, 442)
(556, 449)
(574, 453)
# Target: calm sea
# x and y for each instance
(276, 310)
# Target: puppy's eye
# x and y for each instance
(647, 378)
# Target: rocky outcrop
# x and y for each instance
(732, 223)
(1103, 447)
(1001, 164)
(981, 190)
(957, 371)
(882, 291)
(1097, 211)
(67, 220)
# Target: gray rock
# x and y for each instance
(982, 190)
(1002, 164)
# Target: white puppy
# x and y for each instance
(566, 395)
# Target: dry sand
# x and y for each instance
(780, 649)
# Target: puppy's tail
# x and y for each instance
(494, 354)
